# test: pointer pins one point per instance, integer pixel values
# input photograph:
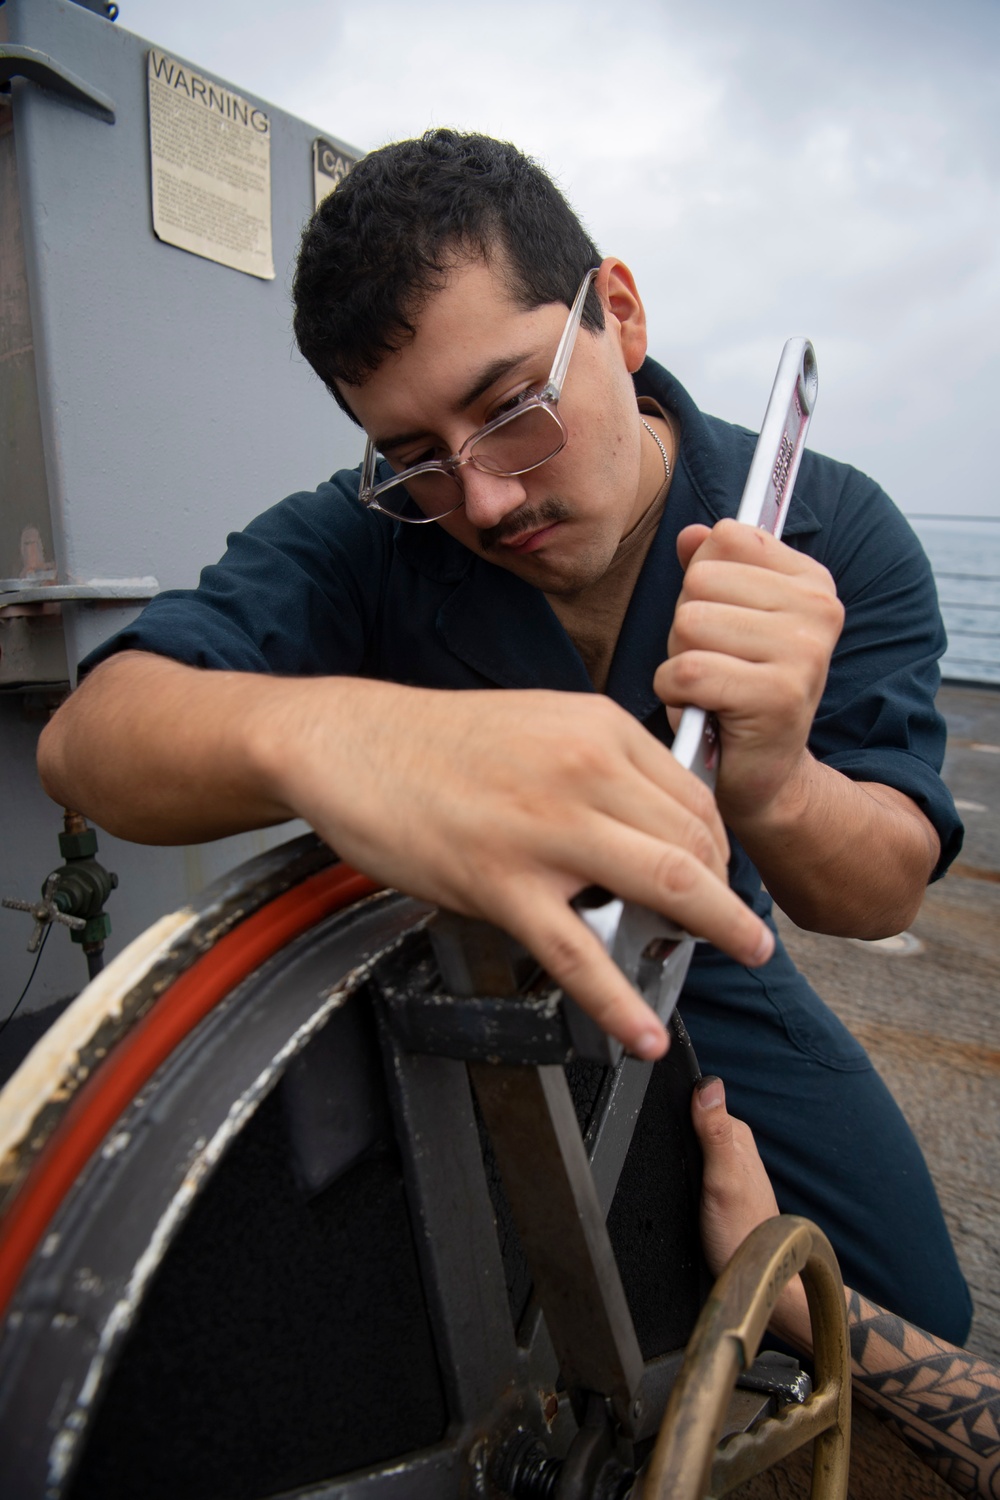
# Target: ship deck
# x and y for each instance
(926, 1012)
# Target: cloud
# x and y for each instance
(765, 171)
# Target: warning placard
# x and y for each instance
(331, 165)
(211, 160)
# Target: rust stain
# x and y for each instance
(975, 872)
(924, 1046)
(550, 1407)
(34, 564)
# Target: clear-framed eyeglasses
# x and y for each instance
(514, 443)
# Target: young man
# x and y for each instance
(549, 517)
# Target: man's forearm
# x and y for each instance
(497, 804)
(943, 1402)
(161, 753)
(840, 856)
(752, 639)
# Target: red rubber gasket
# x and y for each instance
(109, 1091)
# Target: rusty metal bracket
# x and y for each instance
(533, 1126)
(529, 1113)
(487, 1002)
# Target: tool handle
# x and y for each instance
(776, 458)
(766, 498)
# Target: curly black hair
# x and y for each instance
(381, 244)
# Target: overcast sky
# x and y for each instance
(766, 170)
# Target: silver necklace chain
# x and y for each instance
(659, 444)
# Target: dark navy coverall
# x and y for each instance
(320, 585)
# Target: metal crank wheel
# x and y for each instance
(686, 1463)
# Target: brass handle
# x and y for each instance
(686, 1463)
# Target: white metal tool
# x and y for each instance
(651, 951)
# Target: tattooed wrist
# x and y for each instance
(944, 1402)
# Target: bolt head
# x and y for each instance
(78, 845)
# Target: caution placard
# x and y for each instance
(331, 165)
(211, 168)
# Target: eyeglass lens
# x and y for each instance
(528, 438)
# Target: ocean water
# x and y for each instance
(965, 556)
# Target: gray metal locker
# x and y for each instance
(151, 400)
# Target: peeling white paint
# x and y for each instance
(55, 1058)
(115, 1144)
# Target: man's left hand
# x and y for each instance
(751, 641)
(736, 1196)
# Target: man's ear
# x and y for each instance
(615, 285)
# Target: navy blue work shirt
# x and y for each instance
(320, 585)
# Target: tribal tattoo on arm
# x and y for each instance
(942, 1401)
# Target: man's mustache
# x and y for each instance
(527, 518)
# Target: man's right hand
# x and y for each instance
(496, 804)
